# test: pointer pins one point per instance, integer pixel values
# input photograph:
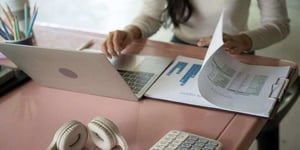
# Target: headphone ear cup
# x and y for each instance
(105, 134)
(117, 134)
(71, 136)
(101, 135)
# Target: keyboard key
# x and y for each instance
(179, 140)
(136, 80)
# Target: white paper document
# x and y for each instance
(179, 83)
(222, 82)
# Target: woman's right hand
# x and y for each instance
(115, 42)
(234, 44)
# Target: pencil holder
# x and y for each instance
(16, 20)
(25, 41)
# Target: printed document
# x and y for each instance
(222, 82)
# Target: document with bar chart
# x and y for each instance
(179, 83)
(222, 82)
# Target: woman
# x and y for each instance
(194, 21)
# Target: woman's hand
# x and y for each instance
(115, 42)
(234, 44)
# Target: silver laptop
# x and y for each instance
(88, 71)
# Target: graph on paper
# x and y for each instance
(180, 69)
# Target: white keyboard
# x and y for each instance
(180, 140)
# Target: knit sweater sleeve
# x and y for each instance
(150, 18)
(274, 24)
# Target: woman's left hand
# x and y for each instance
(234, 44)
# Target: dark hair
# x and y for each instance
(179, 11)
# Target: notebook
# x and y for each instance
(87, 71)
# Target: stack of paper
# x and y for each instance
(222, 82)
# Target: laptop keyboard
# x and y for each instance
(136, 80)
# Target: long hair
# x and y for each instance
(179, 11)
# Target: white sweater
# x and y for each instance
(274, 20)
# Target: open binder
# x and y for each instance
(221, 82)
(278, 88)
(11, 78)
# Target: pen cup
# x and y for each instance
(25, 41)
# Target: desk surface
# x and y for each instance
(31, 114)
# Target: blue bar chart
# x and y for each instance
(179, 66)
(191, 73)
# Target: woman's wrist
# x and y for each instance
(133, 31)
(247, 42)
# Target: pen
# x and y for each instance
(14, 29)
(3, 35)
(85, 45)
(8, 36)
(25, 18)
(17, 29)
(32, 22)
(7, 17)
(9, 12)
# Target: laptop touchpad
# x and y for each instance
(126, 61)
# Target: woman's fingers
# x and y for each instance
(115, 42)
(104, 49)
(111, 44)
(236, 44)
(232, 46)
(204, 42)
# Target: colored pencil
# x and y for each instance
(8, 36)
(25, 17)
(17, 29)
(7, 17)
(32, 22)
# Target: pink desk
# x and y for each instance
(31, 114)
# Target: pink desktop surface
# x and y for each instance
(31, 114)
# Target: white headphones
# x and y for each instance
(73, 135)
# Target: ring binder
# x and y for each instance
(278, 88)
(12, 79)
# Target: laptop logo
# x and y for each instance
(68, 73)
